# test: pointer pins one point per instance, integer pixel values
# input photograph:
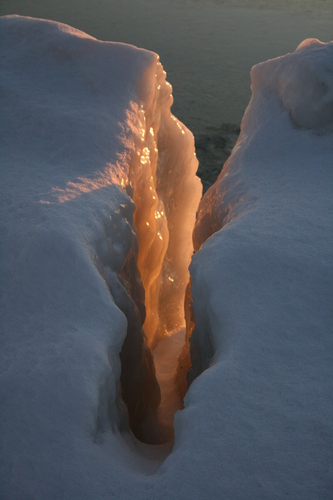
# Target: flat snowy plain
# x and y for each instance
(82, 122)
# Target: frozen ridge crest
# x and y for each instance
(303, 82)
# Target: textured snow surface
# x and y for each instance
(262, 287)
(303, 82)
(258, 422)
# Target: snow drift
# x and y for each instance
(86, 133)
(262, 287)
(85, 130)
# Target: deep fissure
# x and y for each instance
(151, 282)
(163, 185)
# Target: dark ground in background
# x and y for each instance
(213, 150)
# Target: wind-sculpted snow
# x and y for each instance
(262, 288)
(302, 81)
(80, 125)
(86, 130)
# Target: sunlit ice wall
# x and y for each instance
(166, 193)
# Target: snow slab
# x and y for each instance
(257, 422)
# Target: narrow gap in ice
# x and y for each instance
(139, 389)
(150, 287)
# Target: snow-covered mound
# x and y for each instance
(262, 289)
(303, 83)
(85, 130)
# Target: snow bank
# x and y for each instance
(86, 129)
(81, 120)
(262, 289)
(303, 83)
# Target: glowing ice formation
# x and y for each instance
(166, 193)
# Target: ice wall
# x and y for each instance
(162, 182)
(166, 193)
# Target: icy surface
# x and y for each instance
(258, 422)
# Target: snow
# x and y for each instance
(303, 83)
(268, 315)
(80, 123)
(84, 125)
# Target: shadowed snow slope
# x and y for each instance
(78, 119)
(262, 288)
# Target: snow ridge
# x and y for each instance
(81, 122)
